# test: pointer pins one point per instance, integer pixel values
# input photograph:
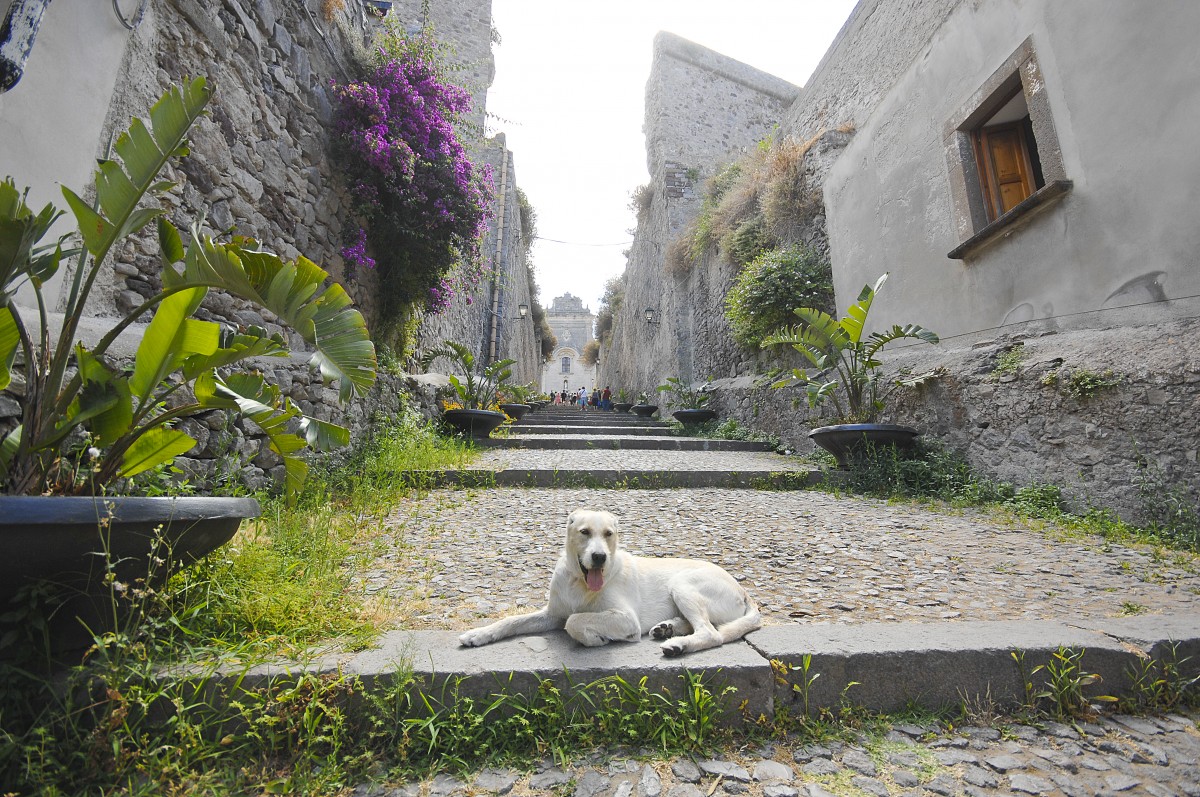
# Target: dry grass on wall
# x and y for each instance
(770, 201)
(329, 8)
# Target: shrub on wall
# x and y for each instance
(766, 291)
(423, 204)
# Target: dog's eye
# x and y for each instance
(584, 532)
(608, 534)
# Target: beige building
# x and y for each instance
(574, 326)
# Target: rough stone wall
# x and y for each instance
(702, 110)
(261, 163)
(1010, 428)
(1025, 426)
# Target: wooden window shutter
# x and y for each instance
(1004, 166)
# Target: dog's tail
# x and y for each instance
(738, 628)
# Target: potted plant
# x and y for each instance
(477, 412)
(89, 424)
(690, 401)
(849, 374)
(622, 404)
(643, 408)
(515, 400)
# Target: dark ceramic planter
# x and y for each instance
(694, 416)
(622, 406)
(515, 411)
(644, 410)
(70, 541)
(473, 423)
(849, 441)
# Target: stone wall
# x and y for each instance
(261, 165)
(702, 110)
(1024, 425)
(861, 109)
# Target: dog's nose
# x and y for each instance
(598, 559)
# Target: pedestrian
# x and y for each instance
(606, 399)
(583, 397)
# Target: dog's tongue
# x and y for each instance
(595, 579)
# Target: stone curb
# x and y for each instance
(553, 429)
(879, 666)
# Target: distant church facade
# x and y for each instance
(573, 325)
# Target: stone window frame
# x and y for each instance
(566, 365)
(1020, 70)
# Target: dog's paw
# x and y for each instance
(673, 648)
(475, 638)
(664, 630)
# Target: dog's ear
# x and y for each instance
(612, 520)
(571, 517)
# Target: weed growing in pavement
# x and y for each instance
(1160, 684)
(728, 429)
(1008, 362)
(1061, 687)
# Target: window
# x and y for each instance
(1007, 157)
(566, 365)
(1003, 153)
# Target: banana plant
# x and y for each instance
(476, 391)
(88, 422)
(848, 369)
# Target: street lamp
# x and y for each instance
(651, 316)
(522, 310)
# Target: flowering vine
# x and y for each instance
(424, 204)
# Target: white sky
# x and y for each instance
(569, 95)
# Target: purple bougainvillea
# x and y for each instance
(424, 203)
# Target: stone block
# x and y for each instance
(933, 664)
(519, 665)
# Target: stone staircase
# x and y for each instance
(563, 446)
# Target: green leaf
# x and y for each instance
(104, 399)
(170, 338)
(10, 339)
(8, 450)
(155, 446)
(98, 234)
(170, 243)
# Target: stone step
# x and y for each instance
(560, 429)
(623, 440)
(615, 478)
(890, 666)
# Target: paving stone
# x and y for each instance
(550, 779)
(870, 786)
(1121, 782)
(686, 770)
(860, 762)
(821, 766)
(1030, 784)
(978, 776)
(591, 784)
(943, 785)
(725, 769)
(1004, 763)
(780, 790)
(684, 790)
(767, 771)
(496, 781)
(650, 784)
(949, 758)
(446, 786)
(802, 755)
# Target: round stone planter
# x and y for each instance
(72, 542)
(515, 411)
(849, 441)
(473, 423)
(644, 410)
(694, 416)
(622, 406)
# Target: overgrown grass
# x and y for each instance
(280, 588)
(728, 429)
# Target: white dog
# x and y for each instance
(600, 593)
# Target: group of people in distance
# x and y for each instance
(597, 399)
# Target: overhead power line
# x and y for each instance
(577, 243)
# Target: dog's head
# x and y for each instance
(592, 545)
